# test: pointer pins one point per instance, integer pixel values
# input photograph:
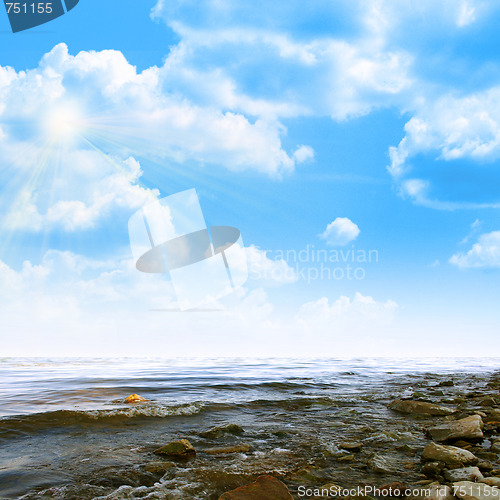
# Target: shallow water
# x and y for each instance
(66, 432)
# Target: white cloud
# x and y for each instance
(340, 232)
(346, 315)
(267, 271)
(484, 253)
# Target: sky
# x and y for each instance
(355, 144)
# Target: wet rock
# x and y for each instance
(393, 490)
(351, 445)
(491, 481)
(465, 428)
(135, 398)
(217, 432)
(433, 469)
(467, 490)
(181, 449)
(432, 492)
(380, 465)
(493, 416)
(419, 407)
(450, 455)
(485, 466)
(446, 383)
(346, 458)
(225, 450)
(463, 474)
(159, 467)
(264, 488)
(489, 401)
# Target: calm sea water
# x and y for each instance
(66, 431)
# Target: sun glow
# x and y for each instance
(64, 123)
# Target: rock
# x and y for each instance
(159, 467)
(180, 449)
(475, 491)
(346, 458)
(432, 492)
(450, 455)
(491, 481)
(351, 445)
(465, 428)
(495, 446)
(485, 466)
(217, 432)
(264, 488)
(446, 383)
(135, 398)
(239, 448)
(463, 474)
(432, 469)
(380, 465)
(489, 401)
(393, 490)
(419, 407)
(493, 416)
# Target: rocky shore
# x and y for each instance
(458, 457)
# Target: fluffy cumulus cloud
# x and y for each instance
(340, 232)
(268, 271)
(484, 253)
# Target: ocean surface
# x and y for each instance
(66, 431)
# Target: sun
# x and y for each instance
(63, 123)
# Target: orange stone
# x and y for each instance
(264, 488)
(135, 398)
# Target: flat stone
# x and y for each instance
(463, 474)
(182, 449)
(450, 455)
(419, 408)
(351, 445)
(225, 450)
(491, 481)
(432, 492)
(264, 488)
(466, 490)
(465, 428)
(380, 465)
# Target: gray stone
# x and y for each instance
(463, 474)
(465, 428)
(450, 455)
(379, 464)
(419, 408)
(467, 490)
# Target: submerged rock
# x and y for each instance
(264, 488)
(463, 474)
(450, 455)
(181, 449)
(465, 428)
(468, 490)
(239, 448)
(380, 465)
(135, 398)
(419, 407)
(217, 432)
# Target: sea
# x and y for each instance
(66, 431)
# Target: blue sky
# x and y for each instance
(373, 123)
